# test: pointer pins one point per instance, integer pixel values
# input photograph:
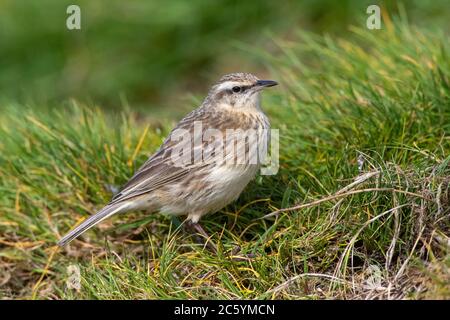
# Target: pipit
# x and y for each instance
(205, 162)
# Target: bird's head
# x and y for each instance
(239, 91)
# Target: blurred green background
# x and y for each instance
(148, 54)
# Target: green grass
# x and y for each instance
(139, 50)
(143, 52)
(376, 103)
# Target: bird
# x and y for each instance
(205, 162)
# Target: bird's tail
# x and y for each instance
(106, 212)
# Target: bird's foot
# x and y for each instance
(236, 255)
(204, 238)
(196, 227)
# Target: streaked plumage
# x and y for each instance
(199, 187)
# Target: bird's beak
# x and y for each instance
(266, 83)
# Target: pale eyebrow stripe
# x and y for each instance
(242, 87)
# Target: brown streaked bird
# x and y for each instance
(214, 172)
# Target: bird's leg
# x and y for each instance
(234, 254)
(197, 227)
(200, 230)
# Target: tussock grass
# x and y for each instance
(360, 204)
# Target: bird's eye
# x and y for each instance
(236, 89)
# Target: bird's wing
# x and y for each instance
(159, 169)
